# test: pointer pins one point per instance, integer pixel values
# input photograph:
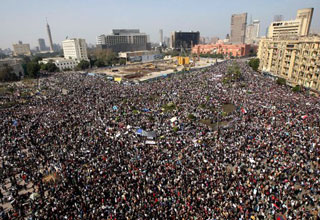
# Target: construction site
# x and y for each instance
(146, 71)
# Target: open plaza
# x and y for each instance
(222, 142)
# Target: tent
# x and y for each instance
(149, 134)
(34, 196)
(64, 92)
(149, 142)
(139, 131)
(173, 119)
(145, 110)
(15, 123)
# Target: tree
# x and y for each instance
(297, 88)
(107, 56)
(7, 74)
(33, 69)
(51, 67)
(83, 65)
(254, 63)
(281, 81)
(123, 61)
(36, 59)
(99, 63)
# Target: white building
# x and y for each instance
(75, 49)
(252, 32)
(61, 63)
(101, 39)
(293, 28)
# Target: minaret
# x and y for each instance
(49, 35)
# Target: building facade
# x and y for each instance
(101, 39)
(61, 63)
(140, 56)
(21, 49)
(161, 37)
(252, 32)
(298, 61)
(15, 63)
(75, 49)
(235, 50)
(292, 28)
(238, 28)
(305, 17)
(184, 40)
(42, 44)
(123, 40)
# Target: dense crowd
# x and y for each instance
(76, 151)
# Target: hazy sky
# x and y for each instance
(25, 19)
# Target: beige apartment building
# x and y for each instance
(298, 61)
(21, 49)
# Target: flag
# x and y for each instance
(304, 116)
(280, 217)
(243, 111)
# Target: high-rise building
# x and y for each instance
(293, 28)
(123, 40)
(42, 44)
(101, 39)
(305, 16)
(167, 41)
(252, 32)
(75, 49)
(238, 28)
(214, 40)
(50, 37)
(56, 47)
(161, 37)
(278, 18)
(21, 49)
(297, 61)
(185, 40)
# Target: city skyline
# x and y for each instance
(211, 18)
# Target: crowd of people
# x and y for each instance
(75, 150)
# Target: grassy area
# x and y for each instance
(169, 107)
(207, 122)
(8, 105)
(3, 90)
(29, 82)
(228, 108)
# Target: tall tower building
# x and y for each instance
(238, 28)
(278, 18)
(42, 44)
(50, 38)
(161, 37)
(305, 16)
(252, 33)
